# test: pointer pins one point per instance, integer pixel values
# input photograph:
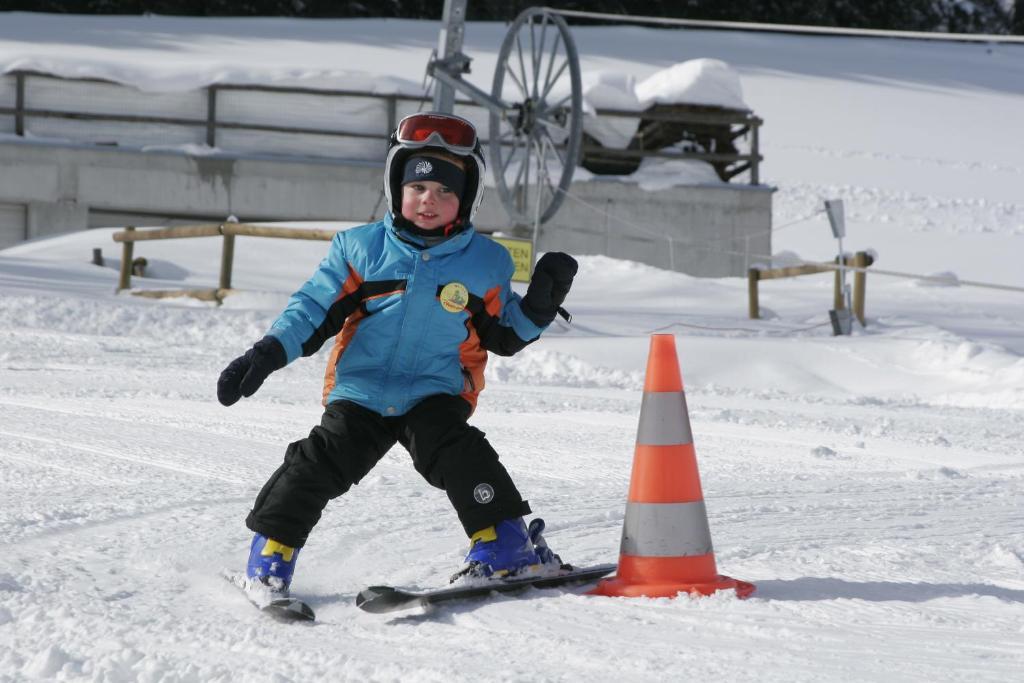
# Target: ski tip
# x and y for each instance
(290, 609)
(372, 593)
(380, 599)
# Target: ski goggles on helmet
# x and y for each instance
(450, 132)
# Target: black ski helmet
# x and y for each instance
(435, 131)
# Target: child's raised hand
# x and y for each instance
(245, 374)
(550, 284)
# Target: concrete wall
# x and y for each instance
(703, 230)
(48, 189)
(13, 228)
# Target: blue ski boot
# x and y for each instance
(540, 546)
(506, 549)
(271, 564)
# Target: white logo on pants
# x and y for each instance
(483, 493)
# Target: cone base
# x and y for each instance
(616, 587)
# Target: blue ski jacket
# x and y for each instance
(408, 321)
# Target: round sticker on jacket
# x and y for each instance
(454, 297)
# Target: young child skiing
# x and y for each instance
(414, 303)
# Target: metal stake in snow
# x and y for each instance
(842, 319)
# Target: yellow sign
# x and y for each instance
(522, 255)
(454, 297)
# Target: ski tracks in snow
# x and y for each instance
(884, 534)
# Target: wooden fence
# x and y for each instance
(861, 260)
(660, 126)
(129, 236)
(521, 251)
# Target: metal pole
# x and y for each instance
(19, 104)
(453, 28)
(755, 152)
(541, 177)
(753, 275)
(211, 116)
(846, 288)
(392, 108)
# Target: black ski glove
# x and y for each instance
(244, 375)
(552, 279)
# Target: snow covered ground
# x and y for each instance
(871, 486)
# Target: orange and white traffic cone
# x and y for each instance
(666, 543)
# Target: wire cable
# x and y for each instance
(702, 244)
(790, 28)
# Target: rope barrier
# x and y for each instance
(798, 220)
(738, 329)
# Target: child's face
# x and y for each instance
(429, 204)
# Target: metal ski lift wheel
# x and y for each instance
(535, 142)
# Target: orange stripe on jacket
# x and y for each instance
(472, 356)
(342, 339)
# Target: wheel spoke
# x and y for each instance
(542, 174)
(541, 160)
(548, 123)
(522, 88)
(526, 168)
(538, 55)
(549, 181)
(519, 171)
(522, 66)
(552, 189)
(557, 105)
(511, 156)
(554, 80)
(533, 54)
(554, 146)
(551, 63)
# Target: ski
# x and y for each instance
(279, 608)
(289, 609)
(381, 599)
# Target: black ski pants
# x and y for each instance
(450, 454)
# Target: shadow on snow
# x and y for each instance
(814, 588)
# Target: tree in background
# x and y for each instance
(957, 16)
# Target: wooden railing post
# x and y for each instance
(227, 257)
(838, 300)
(126, 260)
(860, 260)
(753, 275)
